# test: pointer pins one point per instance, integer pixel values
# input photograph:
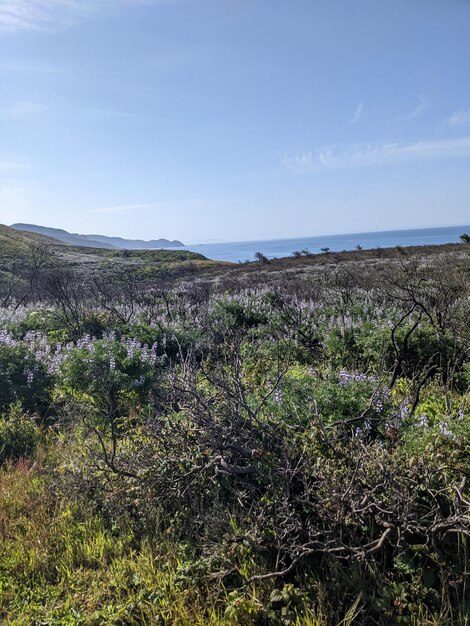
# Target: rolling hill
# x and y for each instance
(15, 245)
(98, 241)
(19, 249)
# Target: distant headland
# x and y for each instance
(98, 241)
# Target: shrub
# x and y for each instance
(114, 376)
(23, 379)
(19, 434)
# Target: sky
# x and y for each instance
(229, 120)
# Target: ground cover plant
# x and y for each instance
(282, 443)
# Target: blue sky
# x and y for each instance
(234, 119)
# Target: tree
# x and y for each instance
(259, 256)
(24, 276)
(465, 238)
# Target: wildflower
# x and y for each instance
(423, 421)
(29, 376)
(444, 429)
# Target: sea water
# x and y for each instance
(245, 250)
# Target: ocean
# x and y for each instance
(241, 251)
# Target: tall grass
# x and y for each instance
(60, 565)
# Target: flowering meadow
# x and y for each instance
(283, 444)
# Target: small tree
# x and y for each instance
(325, 250)
(465, 238)
(259, 256)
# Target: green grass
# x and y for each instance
(123, 503)
(15, 245)
(59, 565)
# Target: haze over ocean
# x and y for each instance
(245, 250)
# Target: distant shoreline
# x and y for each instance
(242, 251)
(298, 238)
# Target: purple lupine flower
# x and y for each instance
(363, 431)
(423, 421)
(153, 354)
(346, 377)
(404, 409)
(130, 348)
(444, 429)
(29, 374)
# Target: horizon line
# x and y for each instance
(298, 237)
(240, 241)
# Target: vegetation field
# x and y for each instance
(280, 443)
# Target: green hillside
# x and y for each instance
(20, 248)
(15, 245)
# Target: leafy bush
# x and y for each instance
(255, 446)
(24, 380)
(19, 435)
(115, 377)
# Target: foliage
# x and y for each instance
(19, 435)
(254, 446)
(23, 379)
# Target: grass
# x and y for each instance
(80, 544)
(60, 565)
(16, 247)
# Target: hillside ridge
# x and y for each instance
(97, 241)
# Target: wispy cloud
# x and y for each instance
(460, 118)
(28, 67)
(44, 14)
(8, 166)
(114, 113)
(15, 199)
(357, 114)
(364, 155)
(22, 110)
(125, 208)
(419, 108)
(193, 203)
